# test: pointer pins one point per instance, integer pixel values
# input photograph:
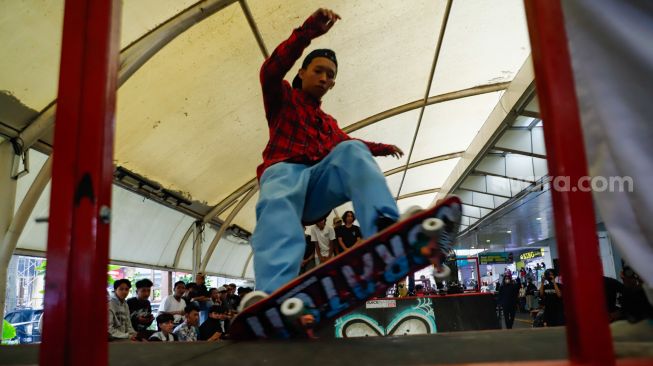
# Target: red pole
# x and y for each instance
(75, 319)
(588, 333)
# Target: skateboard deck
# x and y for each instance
(345, 282)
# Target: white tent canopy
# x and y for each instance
(191, 117)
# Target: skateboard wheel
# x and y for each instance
(292, 307)
(444, 272)
(412, 210)
(432, 227)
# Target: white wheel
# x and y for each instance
(250, 299)
(292, 307)
(412, 210)
(445, 271)
(432, 227)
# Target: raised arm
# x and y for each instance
(287, 53)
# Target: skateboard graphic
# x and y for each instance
(345, 282)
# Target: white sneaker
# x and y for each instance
(250, 299)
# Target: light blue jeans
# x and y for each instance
(290, 193)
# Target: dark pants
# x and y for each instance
(509, 316)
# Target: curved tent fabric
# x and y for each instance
(191, 118)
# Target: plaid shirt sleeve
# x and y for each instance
(280, 62)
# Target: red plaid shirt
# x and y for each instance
(300, 131)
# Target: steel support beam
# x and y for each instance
(78, 231)
(588, 333)
(7, 203)
(9, 239)
(225, 225)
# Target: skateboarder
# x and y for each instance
(310, 166)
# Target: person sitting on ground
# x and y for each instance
(348, 234)
(120, 328)
(232, 297)
(140, 309)
(175, 303)
(214, 297)
(323, 238)
(165, 322)
(213, 327)
(188, 330)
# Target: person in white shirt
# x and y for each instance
(325, 239)
(175, 304)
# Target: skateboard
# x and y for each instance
(345, 282)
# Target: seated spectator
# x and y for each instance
(140, 309)
(213, 296)
(166, 323)
(190, 291)
(232, 298)
(223, 294)
(175, 304)
(120, 328)
(200, 296)
(188, 331)
(213, 328)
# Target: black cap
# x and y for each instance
(322, 52)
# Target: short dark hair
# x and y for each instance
(191, 285)
(179, 283)
(232, 285)
(164, 318)
(117, 283)
(212, 289)
(191, 307)
(144, 283)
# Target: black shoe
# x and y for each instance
(383, 222)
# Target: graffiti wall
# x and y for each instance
(418, 315)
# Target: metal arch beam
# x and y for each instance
(132, 58)
(229, 200)
(446, 97)
(434, 159)
(481, 172)
(519, 152)
(252, 25)
(418, 193)
(249, 259)
(225, 225)
(182, 245)
(488, 193)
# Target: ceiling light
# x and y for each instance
(487, 241)
(538, 218)
(472, 247)
(509, 232)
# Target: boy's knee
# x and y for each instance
(352, 146)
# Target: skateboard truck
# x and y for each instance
(294, 311)
(432, 227)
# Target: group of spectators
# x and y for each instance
(324, 242)
(191, 313)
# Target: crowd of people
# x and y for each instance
(191, 313)
(324, 242)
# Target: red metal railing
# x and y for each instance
(78, 238)
(588, 334)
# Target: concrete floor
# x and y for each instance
(446, 348)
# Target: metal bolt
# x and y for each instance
(105, 214)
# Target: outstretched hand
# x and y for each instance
(324, 20)
(396, 152)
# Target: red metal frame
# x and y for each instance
(75, 329)
(588, 333)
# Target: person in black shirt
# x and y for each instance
(551, 294)
(140, 310)
(530, 295)
(308, 262)
(212, 329)
(348, 234)
(508, 299)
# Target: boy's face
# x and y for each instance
(214, 315)
(179, 290)
(167, 326)
(318, 77)
(143, 293)
(122, 291)
(193, 317)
